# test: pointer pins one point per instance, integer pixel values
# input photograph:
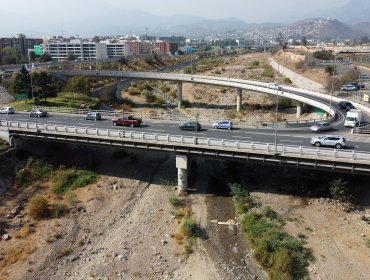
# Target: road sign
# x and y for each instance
(38, 49)
(20, 96)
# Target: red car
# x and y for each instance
(127, 120)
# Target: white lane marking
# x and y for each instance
(279, 134)
(243, 137)
(199, 133)
(159, 130)
(56, 122)
(91, 124)
(291, 141)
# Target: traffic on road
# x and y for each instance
(290, 137)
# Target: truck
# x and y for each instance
(353, 117)
(127, 120)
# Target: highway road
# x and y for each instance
(288, 137)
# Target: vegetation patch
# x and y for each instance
(71, 179)
(3, 145)
(35, 170)
(282, 255)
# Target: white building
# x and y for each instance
(82, 50)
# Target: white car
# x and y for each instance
(335, 141)
(6, 110)
(274, 86)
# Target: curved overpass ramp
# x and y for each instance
(301, 96)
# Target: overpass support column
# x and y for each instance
(179, 94)
(182, 173)
(239, 94)
(299, 109)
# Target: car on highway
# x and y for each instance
(194, 126)
(335, 141)
(38, 113)
(345, 105)
(94, 116)
(358, 85)
(348, 87)
(364, 76)
(321, 126)
(225, 124)
(7, 110)
(127, 120)
(274, 86)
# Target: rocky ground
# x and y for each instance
(123, 227)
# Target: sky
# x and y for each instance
(18, 12)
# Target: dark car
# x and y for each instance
(94, 116)
(194, 126)
(38, 113)
(346, 105)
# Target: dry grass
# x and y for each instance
(24, 232)
(15, 255)
(64, 251)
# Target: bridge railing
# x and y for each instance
(192, 141)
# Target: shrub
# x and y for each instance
(287, 80)
(134, 91)
(174, 201)
(159, 100)
(340, 190)
(64, 251)
(71, 179)
(300, 65)
(324, 55)
(186, 103)
(59, 210)
(190, 228)
(329, 69)
(268, 72)
(39, 208)
(255, 63)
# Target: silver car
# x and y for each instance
(225, 124)
(335, 141)
(321, 126)
(6, 110)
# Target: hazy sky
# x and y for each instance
(42, 11)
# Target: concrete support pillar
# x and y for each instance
(182, 173)
(239, 94)
(299, 110)
(179, 94)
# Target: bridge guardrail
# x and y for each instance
(192, 141)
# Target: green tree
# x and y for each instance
(11, 55)
(78, 84)
(71, 57)
(45, 57)
(304, 41)
(95, 39)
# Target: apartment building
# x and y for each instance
(82, 50)
(20, 42)
(60, 49)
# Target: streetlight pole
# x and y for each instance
(276, 117)
(196, 127)
(332, 83)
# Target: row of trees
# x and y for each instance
(43, 84)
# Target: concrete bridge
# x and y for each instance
(301, 96)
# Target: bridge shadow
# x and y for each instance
(206, 176)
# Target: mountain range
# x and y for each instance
(351, 21)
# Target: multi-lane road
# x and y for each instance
(288, 137)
